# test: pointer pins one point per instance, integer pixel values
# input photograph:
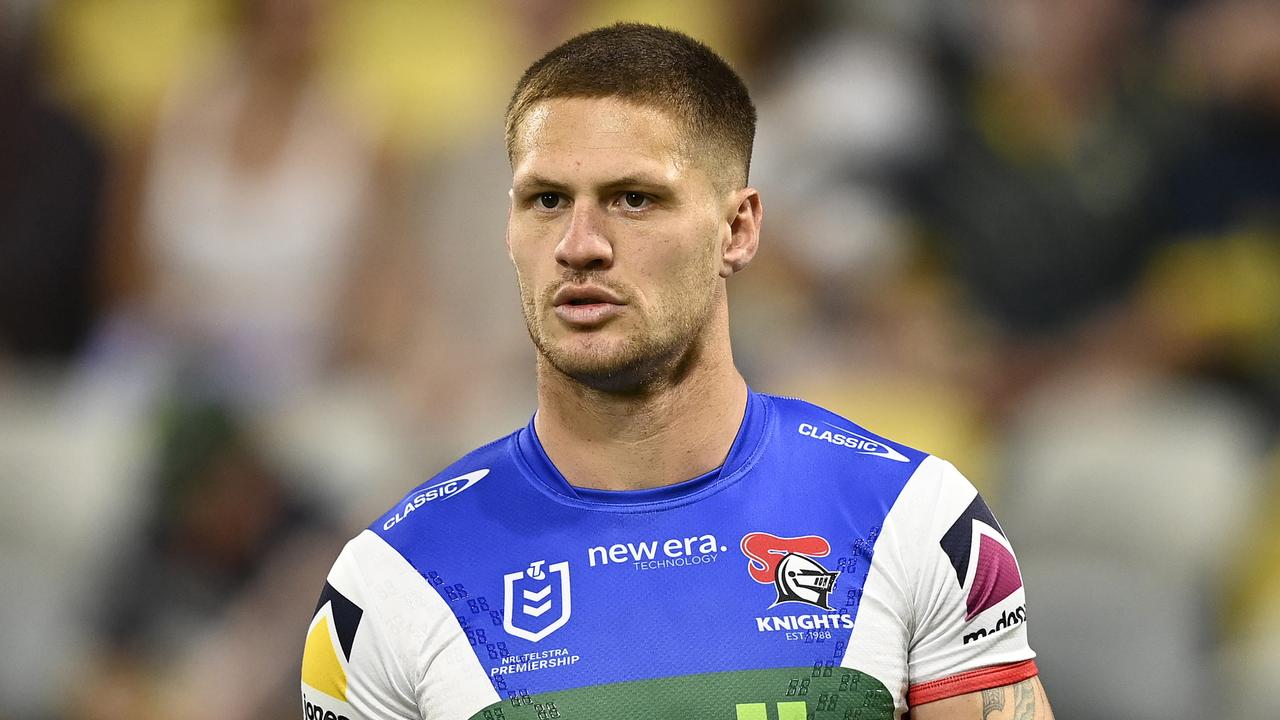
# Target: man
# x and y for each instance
(659, 541)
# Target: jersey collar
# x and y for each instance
(743, 453)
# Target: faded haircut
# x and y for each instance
(653, 66)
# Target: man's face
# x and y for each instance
(617, 238)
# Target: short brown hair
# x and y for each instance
(653, 66)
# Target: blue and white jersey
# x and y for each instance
(821, 572)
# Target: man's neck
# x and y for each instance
(670, 434)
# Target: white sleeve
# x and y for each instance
(969, 613)
(384, 645)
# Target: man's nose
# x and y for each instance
(584, 245)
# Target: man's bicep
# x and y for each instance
(1023, 700)
(971, 610)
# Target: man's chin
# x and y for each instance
(612, 372)
(637, 372)
(616, 377)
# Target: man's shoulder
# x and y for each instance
(444, 493)
(832, 447)
(804, 426)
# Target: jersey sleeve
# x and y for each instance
(968, 630)
(382, 644)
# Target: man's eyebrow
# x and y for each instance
(534, 180)
(635, 181)
(538, 181)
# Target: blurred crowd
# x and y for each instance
(253, 287)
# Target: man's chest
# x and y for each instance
(741, 610)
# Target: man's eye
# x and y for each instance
(635, 200)
(549, 200)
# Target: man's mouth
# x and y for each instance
(586, 306)
(576, 295)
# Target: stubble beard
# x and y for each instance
(656, 353)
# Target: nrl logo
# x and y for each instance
(536, 594)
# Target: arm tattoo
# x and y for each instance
(992, 700)
(1024, 701)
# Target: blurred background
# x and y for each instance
(253, 287)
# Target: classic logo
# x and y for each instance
(436, 491)
(852, 440)
(976, 545)
(531, 596)
(788, 564)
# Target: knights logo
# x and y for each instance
(536, 601)
(788, 564)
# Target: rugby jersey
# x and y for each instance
(821, 572)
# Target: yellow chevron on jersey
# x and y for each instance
(334, 627)
(321, 668)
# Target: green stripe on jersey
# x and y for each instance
(776, 694)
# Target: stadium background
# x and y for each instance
(253, 287)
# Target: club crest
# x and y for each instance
(788, 564)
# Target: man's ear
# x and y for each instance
(511, 208)
(743, 237)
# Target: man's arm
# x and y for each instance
(383, 645)
(1021, 701)
(968, 652)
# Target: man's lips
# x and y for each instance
(585, 305)
(584, 295)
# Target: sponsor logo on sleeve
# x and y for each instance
(854, 441)
(316, 711)
(985, 566)
(442, 490)
(327, 653)
(536, 601)
(788, 565)
(1007, 619)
